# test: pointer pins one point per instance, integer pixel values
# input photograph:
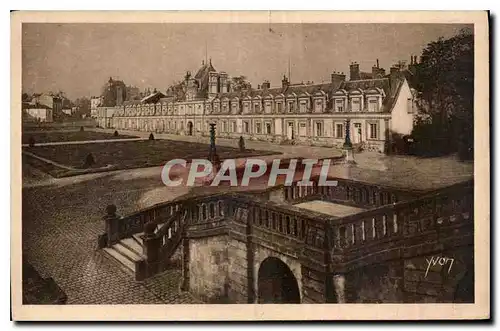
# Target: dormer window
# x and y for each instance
(224, 107)
(355, 104)
(268, 107)
(373, 104)
(303, 106)
(290, 107)
(339, 105)
(256, 108)
(318, 105)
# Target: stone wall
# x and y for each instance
(209, 268)
(440, 278)
(381, 283)
(238, 272)
(443, 277)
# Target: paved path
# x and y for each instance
(61, 220)
(80, 142)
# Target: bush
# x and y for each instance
(241, 144)
(151, 136)
(89, 161)
(31, 141)
(115, 134)
(81, 129)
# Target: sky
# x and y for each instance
(79, 58)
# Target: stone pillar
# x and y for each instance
(111, 229)
(347, 147)
(152, 249)
(339, 287)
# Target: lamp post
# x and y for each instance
(347, 147)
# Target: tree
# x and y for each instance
(25, 97)
(239, 83)
(445, 81)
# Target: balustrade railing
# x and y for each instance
(405, 219)
(317, 236)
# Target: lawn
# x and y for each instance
(126, 155)
(56, 136)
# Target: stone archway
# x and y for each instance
(276, 283)
(190, 128)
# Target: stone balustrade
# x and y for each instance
(320, 241)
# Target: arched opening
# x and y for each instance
(276, 283)
(190, 128)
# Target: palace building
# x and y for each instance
(374, 104)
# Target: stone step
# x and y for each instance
(127, 265)
(126, 252)
(133, 245)
(137, 237)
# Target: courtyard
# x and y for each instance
(62, 217)
(49, 136)
(69, 159)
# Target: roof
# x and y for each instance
(153, 97)
(202, 77)
(390, 87)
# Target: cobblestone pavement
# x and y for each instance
(62, 219)
(61, 222)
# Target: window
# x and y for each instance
(268, 107)
(339, 105)
(319, 129)
(245, 107)
(318, 105)
(279, 107)
(373, 134)
(410, 106)
(339, 132)
(256, 107)
(290, 107)
(355, 104)
(303, 106)
(258, 128)
(373, 104)
(224, 107)
(233, 126)
(302, 129)
(223, 126)
(246, 127)
(268, 128)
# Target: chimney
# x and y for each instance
(354, 71)
(258, 87)
(394, 70)
(337, 78)
(266, 85)
(377, 64)
(285, 83)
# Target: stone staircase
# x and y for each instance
(127, 252)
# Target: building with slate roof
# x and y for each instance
(374, 104)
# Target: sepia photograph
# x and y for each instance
(241, 166)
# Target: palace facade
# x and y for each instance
(375, 105)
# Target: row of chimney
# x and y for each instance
(354, 73)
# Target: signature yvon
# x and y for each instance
(441, 260)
